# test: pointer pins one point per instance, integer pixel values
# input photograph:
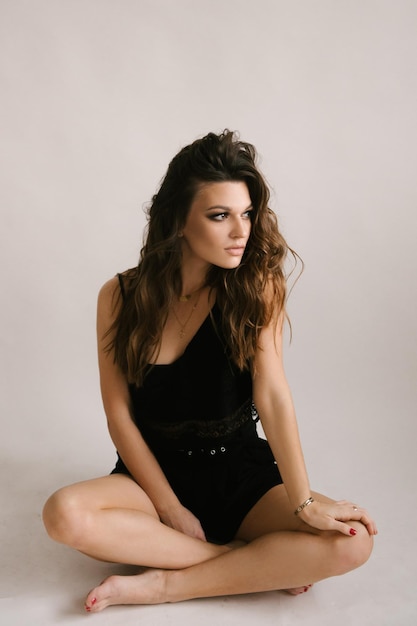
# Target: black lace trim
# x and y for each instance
(213, 429)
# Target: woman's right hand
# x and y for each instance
(183, 520)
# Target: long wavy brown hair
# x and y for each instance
(152, 286)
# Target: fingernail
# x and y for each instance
(352, 532)
(305, 589)
(94, 600)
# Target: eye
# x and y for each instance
(248, 214)
(218, 217)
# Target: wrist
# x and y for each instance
(166, 507)
(306, 503)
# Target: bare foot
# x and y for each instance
(297, 590)
(145, 588)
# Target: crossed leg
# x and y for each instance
(112, 519)
(119, 523)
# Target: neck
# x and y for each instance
(185, 296)
(193, 278)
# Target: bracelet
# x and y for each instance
(303, 505)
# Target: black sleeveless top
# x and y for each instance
(197, 416)
(199, 400)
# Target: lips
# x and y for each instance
(236, 250)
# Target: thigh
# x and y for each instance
(116, 491)
(272, 513)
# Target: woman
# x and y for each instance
(190, 356)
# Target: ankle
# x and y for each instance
(172, 584)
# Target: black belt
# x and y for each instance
(205, 451)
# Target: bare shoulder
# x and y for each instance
(109, 289)
(109, 298)
(276, 307)
(114, 292)
(270, 342)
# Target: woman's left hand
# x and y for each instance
(336, 516)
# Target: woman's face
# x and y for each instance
(218, 225)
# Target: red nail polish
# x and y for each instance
(305, 589)
(352, 532)
(94, 600)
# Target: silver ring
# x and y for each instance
(355, 508)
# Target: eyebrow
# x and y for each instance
(227, 208)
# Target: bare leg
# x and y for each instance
(112, 519)
(279, 559)
(276, 561)
(273, 513)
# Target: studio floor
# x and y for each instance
(43, 583)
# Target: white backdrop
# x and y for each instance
(98, 95)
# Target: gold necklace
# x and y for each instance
(187, 296)
(182, 325)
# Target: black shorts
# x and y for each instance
(219, 484)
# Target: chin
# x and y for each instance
(231, 265)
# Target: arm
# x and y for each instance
(274, 403)
(272, 398)
(125, 435)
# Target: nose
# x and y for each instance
(240, 228)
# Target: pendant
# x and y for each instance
(182, 333)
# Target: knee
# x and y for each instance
(65, 518)
(352, 552)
